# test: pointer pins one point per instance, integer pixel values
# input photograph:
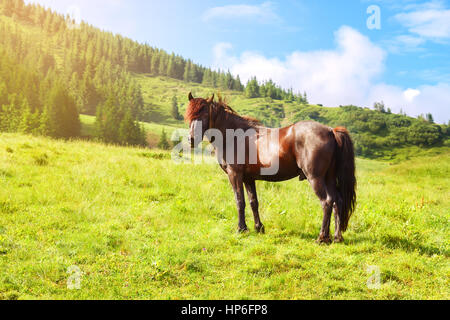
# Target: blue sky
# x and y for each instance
(323, 47)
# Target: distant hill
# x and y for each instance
(51, 71)
(376, 133)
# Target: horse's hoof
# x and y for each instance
(339, 239)
(323, 240)
(243, 230)
(260, 229)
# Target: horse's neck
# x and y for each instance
(231, 122)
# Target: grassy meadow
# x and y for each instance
(138, 226)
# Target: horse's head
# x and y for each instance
(198, 115)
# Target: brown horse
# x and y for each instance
(309, 150)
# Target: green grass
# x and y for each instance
(142, 227)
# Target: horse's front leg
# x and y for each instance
(237, 183)
(253, 199)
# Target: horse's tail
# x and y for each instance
(346, 179)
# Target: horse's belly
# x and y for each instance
(277, 178)
(275, 170)
(276, 162)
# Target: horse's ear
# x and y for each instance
(190, 96)
(211, 100)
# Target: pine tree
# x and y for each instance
(163, 142)
(271, 91)
(290, 96)
(11, 114)
(45, 123)
(107, 121)
(223, 81)
(27, 125)
(207, 78)
(379, 106)
(3, 94)
(162, 70)
(252, 89)
(187, 72)
(263, 90)
(175, 111)
(63, 113)
(195, 74)
(237, 85)
(8, 8)
(155, 63)
(129, 131)
(229, 81)
(214, 79)
(171, 67)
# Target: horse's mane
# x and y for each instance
(196, 106)
(223, 104)
(194, 109)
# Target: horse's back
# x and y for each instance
(314, 148)
(312, 131)
(303, 148)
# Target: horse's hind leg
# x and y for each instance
(337, 206)
(320, 188)
(253, 199)
(334, 194)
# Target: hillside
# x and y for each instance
(50, 72)
(377, 134)
(134, 234)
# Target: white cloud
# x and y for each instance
(221, 56)
(331, 77)
(410, 41)
(105, 14)
(430, 20)
(264, 13)
(433, 99)
(349, 74)
(411, 94)
(404, 44)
